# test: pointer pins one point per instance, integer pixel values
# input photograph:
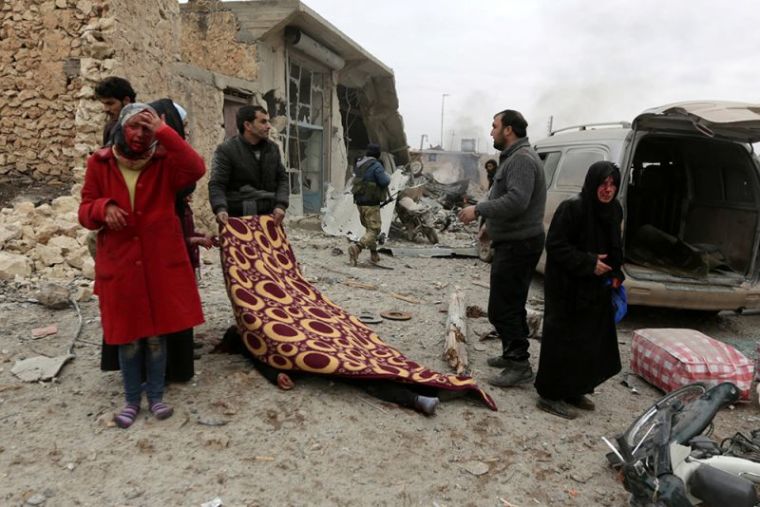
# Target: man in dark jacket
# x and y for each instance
(247, 175)
(513, 215)
(370, 187)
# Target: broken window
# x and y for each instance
(308, 113)
(305, 150)
(306, 89)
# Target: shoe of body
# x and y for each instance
(374, 256)
(426, 404)
(515, 373)
(582, 402)
(557, 407)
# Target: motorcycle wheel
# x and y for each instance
(640, 429)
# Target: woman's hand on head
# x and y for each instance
(149, 120)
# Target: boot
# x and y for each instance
(426, 404)
(498, 362)
(374, 256)
(557, 407)
(353, 253)
(514, 373)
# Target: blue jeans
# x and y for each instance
(149, 353)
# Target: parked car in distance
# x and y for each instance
(690, 192)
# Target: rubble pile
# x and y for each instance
(44, 242)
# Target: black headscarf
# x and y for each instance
(602, 220)
(597, 173)
(167, 109)
(170, 114)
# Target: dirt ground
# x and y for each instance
(236, 437)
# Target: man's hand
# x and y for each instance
(204, 241)
(483, 236)
(115, 217)
(279, 215)
(601, 268)
(467, 215)
(222, 217)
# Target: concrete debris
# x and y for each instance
(41, 332)
(40, 368)
(53, 296)
(340, 217)
(37, 499)
(476, 468)
(13, 265)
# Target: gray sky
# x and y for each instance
(580, 61)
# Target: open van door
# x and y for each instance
(732, 121)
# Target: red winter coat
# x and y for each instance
(143, 277)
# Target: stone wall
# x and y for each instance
(204, 103)
(52, 53)
(209, 42)
(42, 44)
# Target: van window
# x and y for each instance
(575, 164)
(550, 159)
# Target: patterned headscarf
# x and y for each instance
(121, 150)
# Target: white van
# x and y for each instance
(691, 195)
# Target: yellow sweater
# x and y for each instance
(130, 178)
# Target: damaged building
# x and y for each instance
(327, 96)
(447, 166)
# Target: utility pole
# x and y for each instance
(422, 140)
(443, 99)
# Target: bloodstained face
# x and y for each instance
(606, 191)
(137, 135)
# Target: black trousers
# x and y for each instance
(393, 392)
(512, 268)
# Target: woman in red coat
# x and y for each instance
(143, 277)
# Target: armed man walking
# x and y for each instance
(369, 186)
(513, 215)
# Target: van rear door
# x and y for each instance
(734, 121)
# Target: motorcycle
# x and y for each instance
(664, 460)
(413, 218)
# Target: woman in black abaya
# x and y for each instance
(579, 348)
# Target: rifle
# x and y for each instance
(390, 198)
